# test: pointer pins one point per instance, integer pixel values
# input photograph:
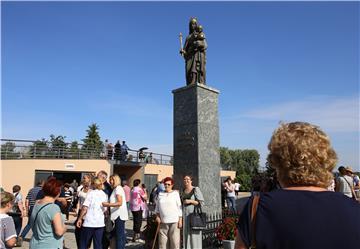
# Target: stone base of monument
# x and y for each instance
(196, 141)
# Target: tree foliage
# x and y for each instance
(57, 146)
(8, 151)
(244, 162)
(74, 149)
(92, 142)
(39, 149)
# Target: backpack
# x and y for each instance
(15, 208)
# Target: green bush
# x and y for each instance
(245, 181)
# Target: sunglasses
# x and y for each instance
(167, 184)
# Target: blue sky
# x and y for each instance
(66, 65)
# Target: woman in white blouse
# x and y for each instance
(92, 216)
(81, 194)
(118, 211)
(169, 215)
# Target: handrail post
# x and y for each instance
(6, 152)
(34, 152)
(161, 159)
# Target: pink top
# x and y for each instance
(136, 198)
(127, 192)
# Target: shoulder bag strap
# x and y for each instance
(254, 207)
(39, 212)
(197, 208)
(351, 187)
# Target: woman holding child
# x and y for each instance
(194, 53)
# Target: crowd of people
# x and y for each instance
(101, 205)
(306, 193)
(119, 151)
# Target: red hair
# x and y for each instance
(168, 179)
(52, 187)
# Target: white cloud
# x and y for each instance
(338, 117)
(331, 114)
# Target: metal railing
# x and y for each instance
(27, 149)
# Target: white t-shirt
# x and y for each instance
(168, 205)
(7, 229)
(344, 185)
(95, 213)
(237, 186)
(121, 211)
(82, 196)
(230, 189)
(79, 188)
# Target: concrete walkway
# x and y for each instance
(70, 241)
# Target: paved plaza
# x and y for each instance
(70, 241)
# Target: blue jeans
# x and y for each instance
(27, 227)
(231, 203)
(88, 233)
(120, 233)
(25, 230)
(17, 222)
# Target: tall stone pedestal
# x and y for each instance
(196, 141)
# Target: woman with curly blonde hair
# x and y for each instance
(303, 214)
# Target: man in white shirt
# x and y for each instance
(344, 183)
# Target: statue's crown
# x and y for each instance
(193, 19)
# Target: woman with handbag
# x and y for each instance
(169, 215)
(118, 211)
(46, 220)
(192, 198)
(303, 159)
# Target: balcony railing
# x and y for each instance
(26, 149)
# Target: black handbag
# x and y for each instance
(197, 219)
(109, 225)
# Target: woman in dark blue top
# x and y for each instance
(303, 214)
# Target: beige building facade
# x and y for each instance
(27, 173)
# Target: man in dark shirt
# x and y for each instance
(124, 151)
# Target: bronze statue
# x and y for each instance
(194, 53)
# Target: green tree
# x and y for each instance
(39, 149)
(8, 151)
(74, 149)
(244, 162)
(225, 158)
(92, 142)
(57, 146)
